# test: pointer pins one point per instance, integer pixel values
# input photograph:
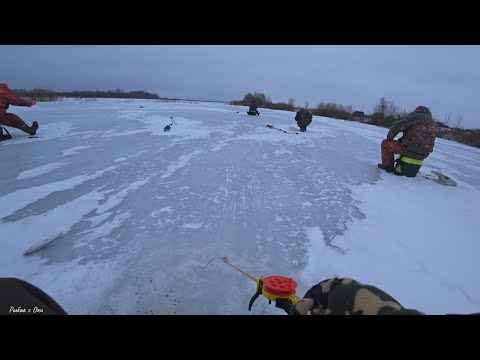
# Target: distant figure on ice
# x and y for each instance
(303, 119)
(419, 133)
(253, 108)
(8, 98)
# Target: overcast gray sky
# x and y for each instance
(444, 78)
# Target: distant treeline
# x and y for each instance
(51, 95)
(385, 114)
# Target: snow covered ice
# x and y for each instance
(130, 214)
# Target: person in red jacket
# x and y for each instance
(8, 98)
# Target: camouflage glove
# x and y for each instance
(345, 296)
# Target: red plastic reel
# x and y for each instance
(279, 286)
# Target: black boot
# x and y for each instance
(387, 169)
(31, 130)
(5, 136)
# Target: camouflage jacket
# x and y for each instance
(303, 117)
(419, 133)
(346, 296)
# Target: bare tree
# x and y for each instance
(306, 105)
(402, 113)
(447, 119)
(333, 110)
(392, 109)
(386, 108)
(291, 102)
(454, 125)
(458, 122)
(381, 106)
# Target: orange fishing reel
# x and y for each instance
(280, 289)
